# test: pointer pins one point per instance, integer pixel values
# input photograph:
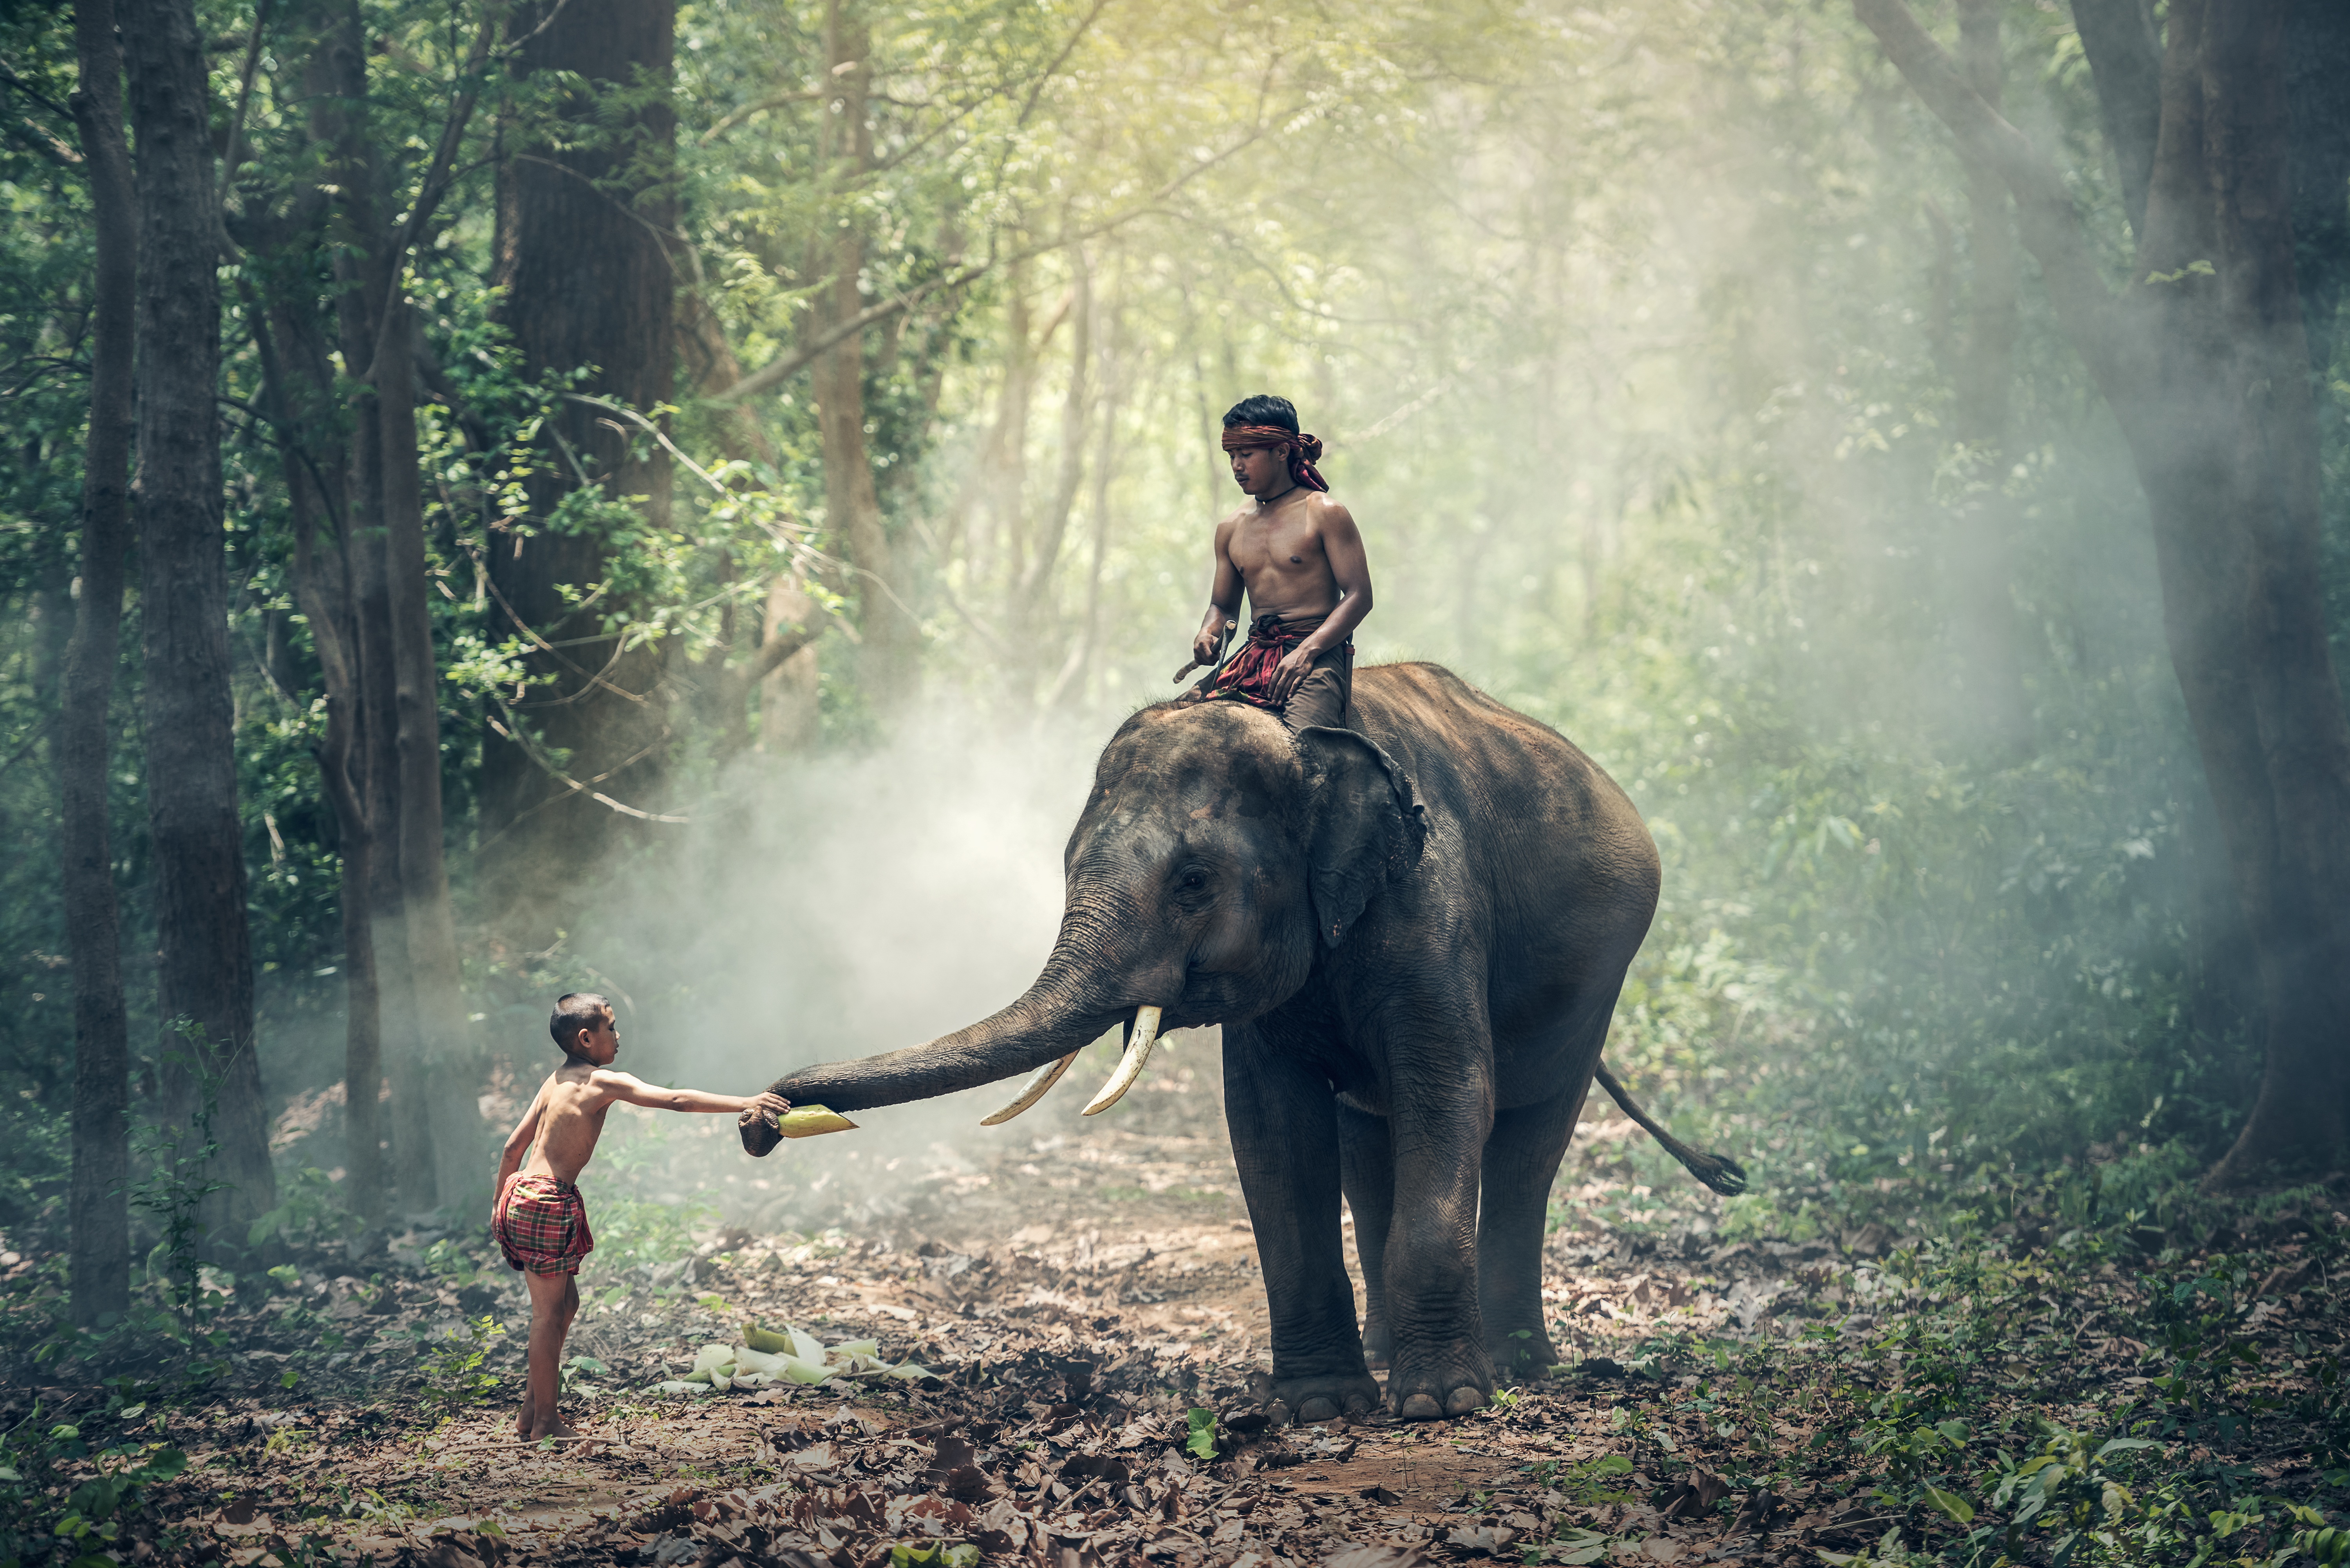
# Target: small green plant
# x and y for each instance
(1202, 1443)
(454, 1376)
(176, 1186)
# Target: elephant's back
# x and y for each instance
(1534, 812)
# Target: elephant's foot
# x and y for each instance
(1326, 1398)
(1450, 1379)
(1378, 1344)
(1521, 1352)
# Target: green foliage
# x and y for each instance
(1201, 1442)
(84, 1521)
(453, 1360)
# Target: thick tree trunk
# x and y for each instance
(98, 1210)
(205, 970)
(581, 254)
(887, 662)
(2204, 364)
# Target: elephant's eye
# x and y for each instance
(1191, 881)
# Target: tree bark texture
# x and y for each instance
(450, 1057)
(362, 245)
(2204, 361)
(206, 962)
(585, 222)
(2124, 53)
(98, 1208)
(300, 386)
(2317, 91)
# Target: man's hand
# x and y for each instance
(1290, 674)
(765, 1106)
(1209, 645)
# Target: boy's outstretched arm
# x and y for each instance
(628, 1086)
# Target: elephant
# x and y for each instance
(1413, 931)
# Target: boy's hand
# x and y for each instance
(765, 1107)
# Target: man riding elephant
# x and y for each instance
(1301, 558)
(1412, 931)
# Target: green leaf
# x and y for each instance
(2121, 1445)
(1202, 1440)
(1956, 1507)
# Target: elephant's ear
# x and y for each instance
(1364, 828)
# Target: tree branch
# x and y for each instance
(2045, 216)
(776, 371)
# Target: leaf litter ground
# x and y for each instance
(1090, 1304)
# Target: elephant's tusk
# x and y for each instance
(1042, 1079)
(1129, 1066)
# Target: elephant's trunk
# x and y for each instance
(1052, 1019)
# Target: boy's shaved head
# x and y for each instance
(575, 1011)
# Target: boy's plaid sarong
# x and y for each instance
(541, 1225)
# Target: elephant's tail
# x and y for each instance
(1719, 1172)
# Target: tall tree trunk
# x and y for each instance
(206, 970)
(887, 660)
(1032, 594)
(583, 258)
(98, 1210)
(451, 1058)
(2204, 362)
(2317, 89)
(1985, 553)
(336, 79)
(299, 383)
(2124, 48)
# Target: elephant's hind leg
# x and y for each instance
(1367, 1172)
(1520, 1162)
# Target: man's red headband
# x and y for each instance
(1304, 450)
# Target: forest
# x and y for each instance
(670, 499)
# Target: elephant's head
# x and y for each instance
(1214, 857)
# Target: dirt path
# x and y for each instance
(1076, 1291)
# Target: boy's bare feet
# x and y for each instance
(559, 1428)
(522, 1420)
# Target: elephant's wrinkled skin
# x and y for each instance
(1413, 936)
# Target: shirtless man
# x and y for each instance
(540, 1221)
(1298, 554)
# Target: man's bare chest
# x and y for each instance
(1279, 543)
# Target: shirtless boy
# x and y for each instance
(1298, 554)
(540, 1222)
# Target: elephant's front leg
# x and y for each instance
(1439, 1110)
(1284, 1118)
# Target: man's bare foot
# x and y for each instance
(522, 1422)
(559, 1428)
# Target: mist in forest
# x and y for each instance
(831, 909)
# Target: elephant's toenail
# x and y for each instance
(1464, 1400)
(1422, 1407)
(1317, 1409)
(1358, 1405)
(1277, 1414)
